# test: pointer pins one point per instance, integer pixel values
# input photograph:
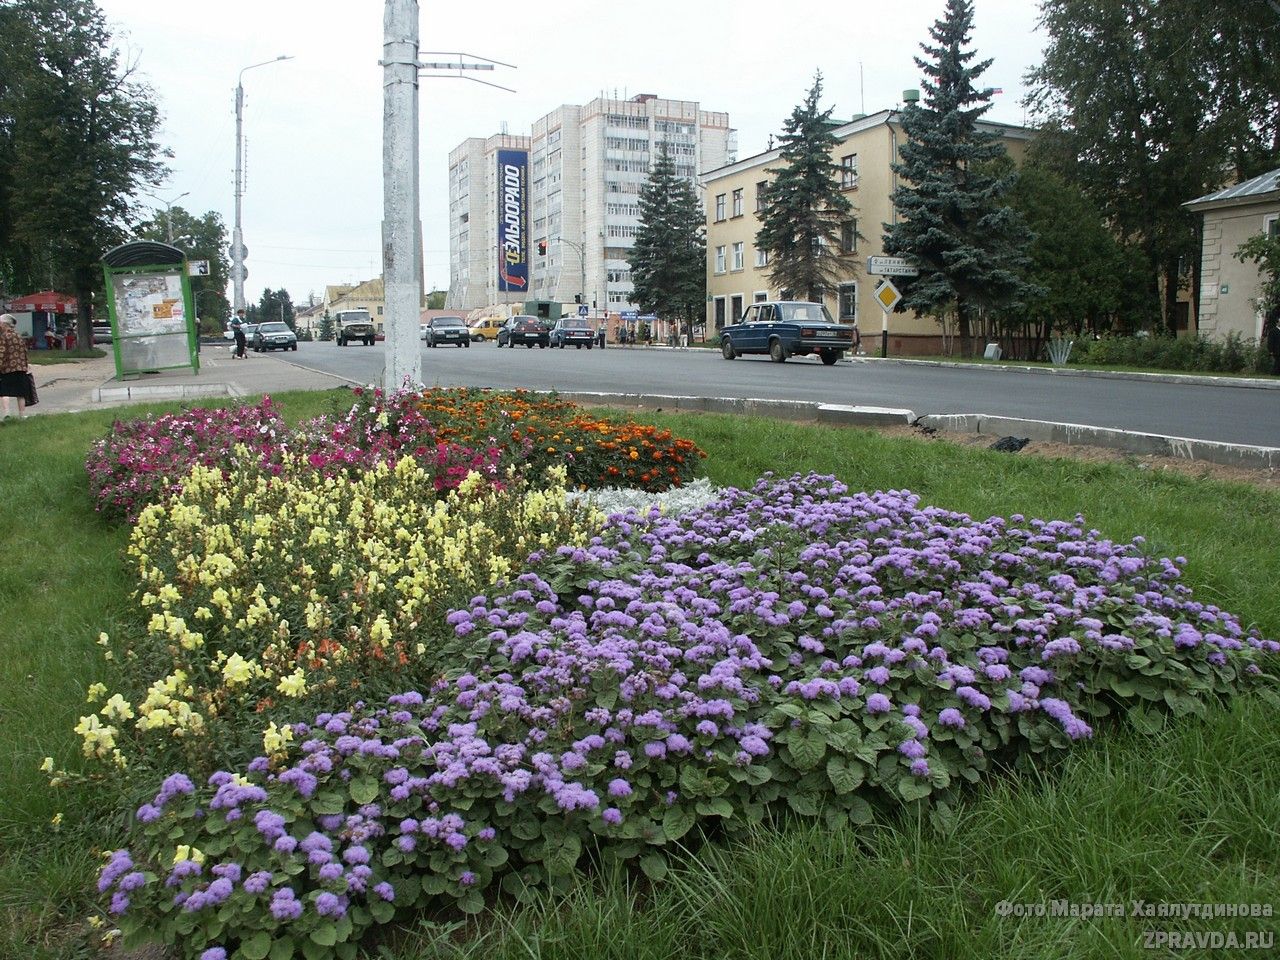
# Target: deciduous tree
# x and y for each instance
(77, 141)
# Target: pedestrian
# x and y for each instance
(237, 330)
(1271, 330)
(15, 376)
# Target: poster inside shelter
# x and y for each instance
(149, 304)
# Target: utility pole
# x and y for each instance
(401, 240)
(582, 266)
(238, 249)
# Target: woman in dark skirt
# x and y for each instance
(15, 381)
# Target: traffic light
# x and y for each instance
(577, 298)
(542, 248)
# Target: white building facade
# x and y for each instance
(473, 221)
(587, 165)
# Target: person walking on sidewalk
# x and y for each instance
(237, 330)
(15, 378)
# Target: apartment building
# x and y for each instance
(738, 272)
(586, 166)
(475, 211)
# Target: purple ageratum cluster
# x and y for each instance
(726, 653)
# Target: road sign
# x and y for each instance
(887, 296)
(891, 267)
(582, 309)
(630, 314)
(197, 268)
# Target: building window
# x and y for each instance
(849, 172)
(849, 237)
(762, 189)
(760, 296)
(719, 313)
(737, 255)
(719, 259)
(762, 257)
(379, 311)
(1271, 226)
(719, 207)
(737, 202)
(849, 302)
(736, 307)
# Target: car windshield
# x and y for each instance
(274, 328)
(447, 322)
(805, 313)
(249, 328)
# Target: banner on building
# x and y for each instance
(513, 214)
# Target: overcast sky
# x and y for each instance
(313, 125)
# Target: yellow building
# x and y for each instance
(738, 273)
(368, 295)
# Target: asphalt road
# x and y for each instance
(1223, 413)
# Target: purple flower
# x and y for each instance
(331, 905)
(385, 891)
(878, 703)
(467, 878)
(611, 815)
(619, 788)
(285, 905)
(214, 953)
(951, 717)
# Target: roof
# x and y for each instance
(48, 301)
(1251, 191)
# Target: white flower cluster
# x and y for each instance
(677, 500)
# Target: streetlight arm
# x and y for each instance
(262, 64)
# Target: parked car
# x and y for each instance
(447, 330)
(486, 329)
(525, 329)
(101, 334)
(572, 331)
(273, 336)
(788, 328)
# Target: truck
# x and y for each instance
(788, 328)
(351, 325)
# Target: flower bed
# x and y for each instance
(265, 596)
(790, 646)
(450, 431)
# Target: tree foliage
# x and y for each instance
(77, 141)
(668, 259)
(199, 238)
(1265, 252)
(1147, 104)
(273, 305)
(806, 210)
(954, 221)
(326, 326)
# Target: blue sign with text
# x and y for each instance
(513, 207)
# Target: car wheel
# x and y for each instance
(726, 348)
(589, 346)
(529, 345)
(829, 357)
(465, 343)
(295, 348)
(776, 353)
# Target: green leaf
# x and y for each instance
(325, 936)
(1122, 687)
(562, 853)
(382, 911)
(328, 803)
(282, 949)
(806, 751)
(654, 866)
(314, 951)
(677, 821)
(258, 946)
(715, 807)
(860, 811)
(471, 902)
(364, 790)
(803, 804)
(845, 775)
(693, 780)
(914, 788)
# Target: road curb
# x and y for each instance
(160, 391)
(1072, 434)
(1129, 441)
(1247, 383)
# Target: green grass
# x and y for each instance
(1100, 367)
(46, 358)
(1189, 815)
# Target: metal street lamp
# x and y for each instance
(168, 211)
(582, 264)
(238, 251)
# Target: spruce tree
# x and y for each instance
(326, 326)
(954, 223)
(668, 259)
(806, 210)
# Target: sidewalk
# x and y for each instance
(91, 384)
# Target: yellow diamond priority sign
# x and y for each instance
(887, 295)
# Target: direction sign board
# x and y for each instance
(891, 267)
(630, 314)
(197, 268)
(887, 295)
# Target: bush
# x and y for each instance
(789, 647)
(1233, 354)
(265, 597)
